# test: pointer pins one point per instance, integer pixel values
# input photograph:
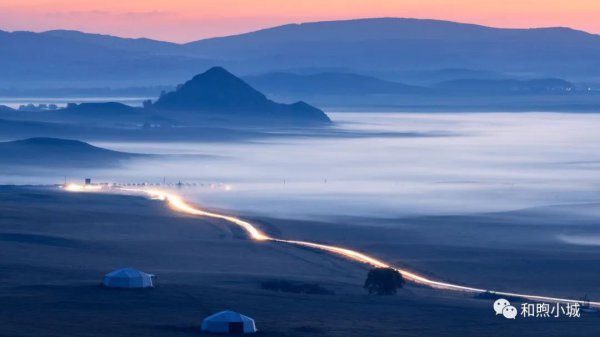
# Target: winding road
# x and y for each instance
(178, 204)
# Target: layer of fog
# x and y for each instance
(582, 240)
(489, 162)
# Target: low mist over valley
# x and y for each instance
(358, 177)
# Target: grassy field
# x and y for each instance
(55, 248)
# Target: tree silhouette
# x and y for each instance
(383, 281)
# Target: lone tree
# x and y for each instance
(383, 281)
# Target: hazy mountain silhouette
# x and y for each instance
(59, 153)
(4, 108)
(328, 84)
(217, 93)
(505, 87)
(389, 45)
(95, 109)
(68, 58)
(386, 47)
(342, 91)
(430, 77)
(109, 113)
(213, 97)
(343, 84)
(114, 42)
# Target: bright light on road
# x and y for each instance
(176, 203)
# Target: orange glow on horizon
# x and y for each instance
(187, 20)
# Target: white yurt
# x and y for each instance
(128, 278)
(228, 322)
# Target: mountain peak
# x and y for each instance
(214, 73)
(215, 89)
(219, 71)
(218, 92)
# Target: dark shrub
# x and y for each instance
(383, 281)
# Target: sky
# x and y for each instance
(188, 20)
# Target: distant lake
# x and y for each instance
(473, 162)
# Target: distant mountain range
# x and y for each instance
(68, 58)
(389, 45)
(55, 152)
(290, 84)
(344, 84)
(344, 91)
(505, 87)
(404, 50)
(215, 97)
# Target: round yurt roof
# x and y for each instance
(127, 273)
(228, 322)
(228, 316)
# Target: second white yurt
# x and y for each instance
(128, 278)
(228, 322)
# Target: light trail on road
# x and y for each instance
(178, 204)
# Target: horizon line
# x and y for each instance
(296, 24)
